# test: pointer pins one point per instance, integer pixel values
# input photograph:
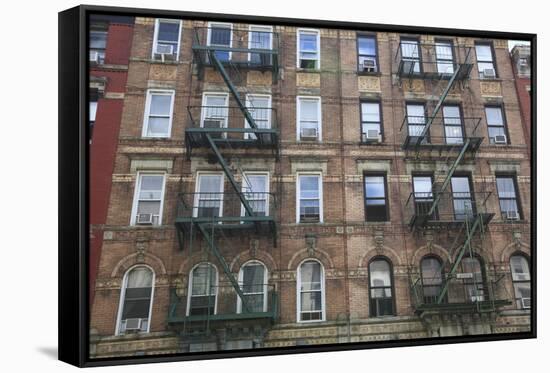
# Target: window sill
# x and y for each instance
(369, 73)
(306, 70)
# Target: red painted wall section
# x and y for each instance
(119, 43)
(116, 79)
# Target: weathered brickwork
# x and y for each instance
(344, 243)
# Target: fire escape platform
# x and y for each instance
(425, 222)
(439, 144)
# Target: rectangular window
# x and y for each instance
(167, 40)
(215, 112)
(260, 37)
(148, 199)
(310, 198)
(376, 208)
(444, 57)
(209, 196)
(98, 44)
(158, 113)
(220, 35)
(416, 120)
(255, 187)
(94, 96)
(507, 197)
(309, 49)
(496, 125)
(259, 107)
(410, 56)
(367, 60)
(485, 61)
(371, 129)
(463, 202)
(309, 118)
(423, 195)
(452, 122)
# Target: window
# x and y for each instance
(410, 56)
(311, 291)
(380, 290)
(507, 197)
(220, 35)
(167, 40)
(94, 96)
(367, 60)
(521, 279)
(259, 107)
(209, 196)
(253, 281)
(98, 44)
(310, 201)
(203, 288)
(376, 208)
(215, 112)
(452, 122)
(432, 278)
(255, 187)
(463, 202)
(149, 195)
(158, 113)
(371, 129)
(485, 61)
(308, 49)
(444, 57)
(309, 118)
(474, 284)
(416, 120)
(496, 125)
(423, 195)
(260, 37)
(136, 300)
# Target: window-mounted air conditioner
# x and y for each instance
(133, 324)
(512, 215)
(372, 136)
(214, 123)
(489, 73)
(165, 52)
(521, 277)
(369, 65)
(525, 302)
(94, 57)
(145, 219)
(308, 133)
(500, 139)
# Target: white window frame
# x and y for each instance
(225, 95)
(248, 135)
(209, 34)
(257, 27)
(308, 30)
(241, 284)
(148, 100)
(123, 295)
(155, 35)
(190, 287)
(299, 293)
(243, 188)
(319, 115)
(315, 173)
(197, 190)
(136, 194)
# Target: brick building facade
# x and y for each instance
(342, 240)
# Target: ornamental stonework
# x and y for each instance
(259, 78)
(414, 86)
(311, 80)
(162, 72)
(491, 89)
(368, 83)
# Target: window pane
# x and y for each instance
(98, 39)
(505, 187)
(494, 116)
(367, 45)
(210, 183)
(451, 114)
(374, 187)
(255, 183)
(444, 51)
(431, 271)
(520, 268)
(309, 186)
(139, 278)
(309, 109)
(311, 301)
(370, 112)
(204, 279)
(409, 49)
(168, 31)
(308, 42)
(422, 186)
(220, 35)
(460, 186)
(484, 53)
(157, 126)
(93, 110)
(253, 278)
(151, 186)
(310, 276)
(160, 105)
(379, 271)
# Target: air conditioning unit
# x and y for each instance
(500, 139)
(525, 302)
(94, 57)
(145, 219)
(308, 133)
(512, 215)
(133, 324)
(489, 73)
(372, 136)
(369, 65)
(165, 52)
(521, 276)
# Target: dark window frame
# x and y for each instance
(375, 37)
(485, 291)
(432, 178)
(415, 39)
(528, 259)
(380, 118)
(391, 287)
(472, 191)
(386, 199)
(462, 121)
(493, 55)
(424, 104)
(512, 176)
(504, 122)
(442, 267)
(453, 59)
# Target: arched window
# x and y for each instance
(253, 281)
(381, 288)
(521, 279)
(474, 279)
(202, 290)
(136, 300)
(432, 278)
(311, 291)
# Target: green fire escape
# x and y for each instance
(444, 66)
(217, 133)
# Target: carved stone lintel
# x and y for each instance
(310, 243)
(141, 247)
(379, 239)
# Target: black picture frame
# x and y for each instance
(74, 185)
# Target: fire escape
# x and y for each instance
(215, 219)
(444, 136)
